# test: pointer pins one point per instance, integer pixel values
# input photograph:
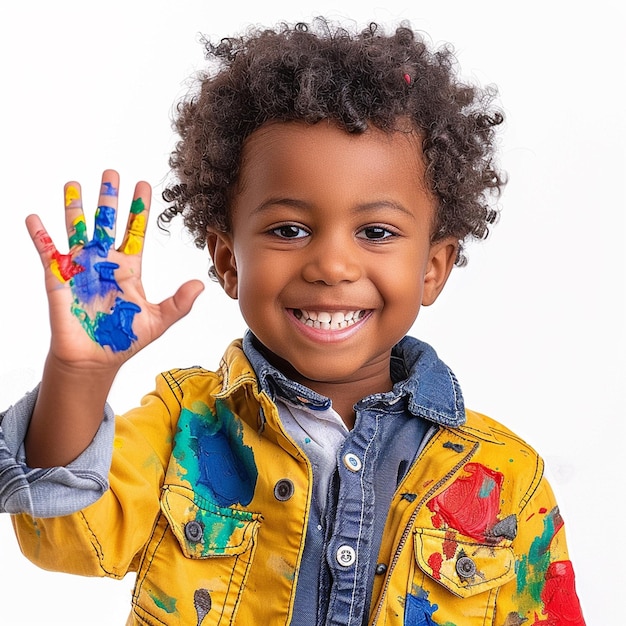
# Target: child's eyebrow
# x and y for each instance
(304, 206)
(273, 202)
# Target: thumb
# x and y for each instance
(177, 306)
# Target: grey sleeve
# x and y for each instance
(55, 491)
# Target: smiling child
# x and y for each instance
(327, 472)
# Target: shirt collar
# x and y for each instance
(429, 386)
(274, 382)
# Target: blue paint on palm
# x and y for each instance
(116, 329)
(95, 288)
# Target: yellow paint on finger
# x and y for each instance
(137, 225)
(79, 223)
(54, 268)
(72, 194)
(133, 242)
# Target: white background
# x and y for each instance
(533, 327)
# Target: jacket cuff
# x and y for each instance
(56, 491)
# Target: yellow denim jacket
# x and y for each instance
(473, 536)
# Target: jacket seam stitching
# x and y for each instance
(407, 529)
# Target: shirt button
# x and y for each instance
(352, 462)
(465, 567)
(346, 556)
(194, 531)
(283, 489)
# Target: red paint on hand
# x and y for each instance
(66, 266)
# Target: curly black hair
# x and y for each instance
(322, 71)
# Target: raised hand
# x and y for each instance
(99, 317)
(98, 311)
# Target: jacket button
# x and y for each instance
(352, 462)
(345, 556)
(283, 489)
(465, 567)
(194, 531)
(381, 569)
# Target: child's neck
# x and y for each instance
(343, 394)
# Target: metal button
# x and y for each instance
(194, 531)
(352, 462)
(381, 569)
(346, 556)
(283, 489)
(465, 567)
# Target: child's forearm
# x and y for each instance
(67, 414)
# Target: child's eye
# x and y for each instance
(289, 231)
(375, 232)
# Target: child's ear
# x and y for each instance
(222, 253)
(441, 261)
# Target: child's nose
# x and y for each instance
(331, 262)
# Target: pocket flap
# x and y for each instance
(204, 529)
(462, 565)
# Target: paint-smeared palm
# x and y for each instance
(98, 311)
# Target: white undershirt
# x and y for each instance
(319, 433)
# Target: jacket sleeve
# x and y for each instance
(51, 491)
(106, 538)
(543, 590)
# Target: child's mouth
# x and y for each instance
(329, 320)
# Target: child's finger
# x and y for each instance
(104, 229)
(61, 265)
(74, 216)
(42, 240)
(137, 220)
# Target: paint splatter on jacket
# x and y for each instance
(473, 535)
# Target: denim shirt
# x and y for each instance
(50, 492)
(344, 532)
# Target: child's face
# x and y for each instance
(336, 228)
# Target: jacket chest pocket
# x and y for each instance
(456, 575)
(195, 567)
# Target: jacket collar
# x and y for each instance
(431, 386)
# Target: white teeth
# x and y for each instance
(329, 321)
(337, 318)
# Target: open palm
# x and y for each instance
(99, 315)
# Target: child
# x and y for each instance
(328, 471)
